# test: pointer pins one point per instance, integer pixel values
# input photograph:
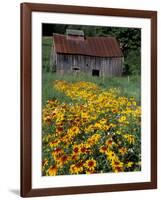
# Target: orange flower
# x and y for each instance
(54, 143)
(123, 150)
(74, 157)
(84, 148)
(52, 171)
(57, 152)
(76, 149)
(63, 160)
(76, 168)
(109, 142)
(103, 149)
(90, 164)
(45, 162)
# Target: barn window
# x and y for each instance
(76, 69)
(95, 72)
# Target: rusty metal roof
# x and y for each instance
(91, 46)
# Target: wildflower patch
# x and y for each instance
(97, 132)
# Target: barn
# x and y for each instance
(74, 53)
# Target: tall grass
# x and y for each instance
(129, 86)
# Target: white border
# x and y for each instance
(107, 178)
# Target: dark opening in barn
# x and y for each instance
(95, 72)
(76, 69)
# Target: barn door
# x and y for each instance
(95, 72)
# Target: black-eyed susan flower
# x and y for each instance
(83, 149)
(90, 164)
(52, 171)
(117, 165)
(123, 150)
(45, 163)
(74, 157)
(54, 143)
(62, 160)
(122, 119)
(103, 149)
(76, 168)
(76, 149)
(130, 138)
(93, 139)
(88, 127)
(110, 155)
(57, 152)
(73, 131)
(109, 142)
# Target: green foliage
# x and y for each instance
(48, 91)
(132, 63)
(46, 51)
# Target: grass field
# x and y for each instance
(128, 88)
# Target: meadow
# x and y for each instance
(89, 124)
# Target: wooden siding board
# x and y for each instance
(107, 66)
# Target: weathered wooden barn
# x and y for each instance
(74, 53)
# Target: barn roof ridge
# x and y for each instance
(100, 46)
